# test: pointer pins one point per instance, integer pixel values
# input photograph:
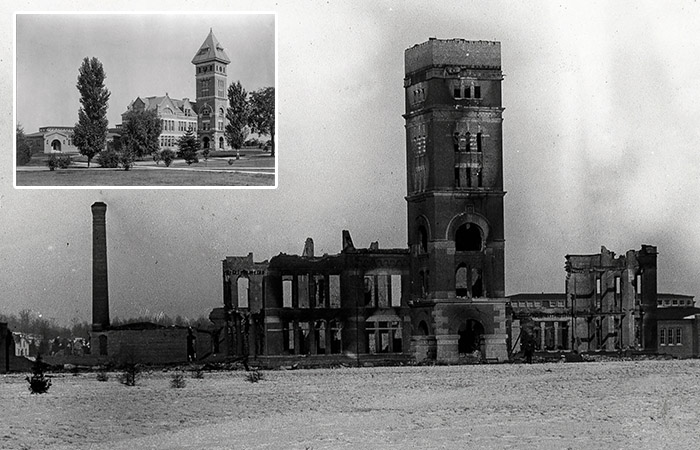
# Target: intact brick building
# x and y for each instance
(177, 116)
(207, 114)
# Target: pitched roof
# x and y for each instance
(210, 50)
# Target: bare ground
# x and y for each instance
(627, 404)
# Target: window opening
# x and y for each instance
(369, 291)
(243, 292)
(287, 292)
(468, 238)
(461, 282)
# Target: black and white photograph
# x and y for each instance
(146, 100)
(350, 224)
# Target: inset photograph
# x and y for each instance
(164, 100)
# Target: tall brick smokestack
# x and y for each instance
(100, 289)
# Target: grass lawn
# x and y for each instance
(141, 177)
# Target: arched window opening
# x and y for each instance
(423, 328)
(468, 238)
(461, 282)
(479, 142)
(422, 240)
(221, 112)
(221, 143)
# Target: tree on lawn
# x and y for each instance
(262, 114)
(23, 148)
(237, 114)
(188, 145)
(90, 133)
(140, 133)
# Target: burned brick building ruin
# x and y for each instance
(443, 298)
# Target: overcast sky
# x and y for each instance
(600, 144)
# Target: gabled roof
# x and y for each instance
(154, 102)
(210, 50)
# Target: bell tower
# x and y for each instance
(210, 63)
(454, 162)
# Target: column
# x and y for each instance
(542, 336)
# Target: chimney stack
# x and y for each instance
(100, 289)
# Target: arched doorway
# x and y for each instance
(471, 336)
(221, 143)
(56, 145)
(205, 142)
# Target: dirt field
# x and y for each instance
(629, 405)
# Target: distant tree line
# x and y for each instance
(30, 322)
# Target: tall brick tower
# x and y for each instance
(100, 289)
(454, 156)
(210, 64)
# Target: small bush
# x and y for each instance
(64, 161)
(102, 376)
(230, 162)
(156, 157)
(39, 383)
(126, 160)
(167, 156)
(177, 381)
(52, 162)
(198, 372)
(129, 375)
(254, 376)
(108, 159)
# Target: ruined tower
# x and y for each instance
(454, 162)
(100, 289)
(210, 63)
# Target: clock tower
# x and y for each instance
(210, 64)
(454, 162)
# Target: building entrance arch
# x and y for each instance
(56, 145)
(205, 142)
(221, 143)
(471, 336)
